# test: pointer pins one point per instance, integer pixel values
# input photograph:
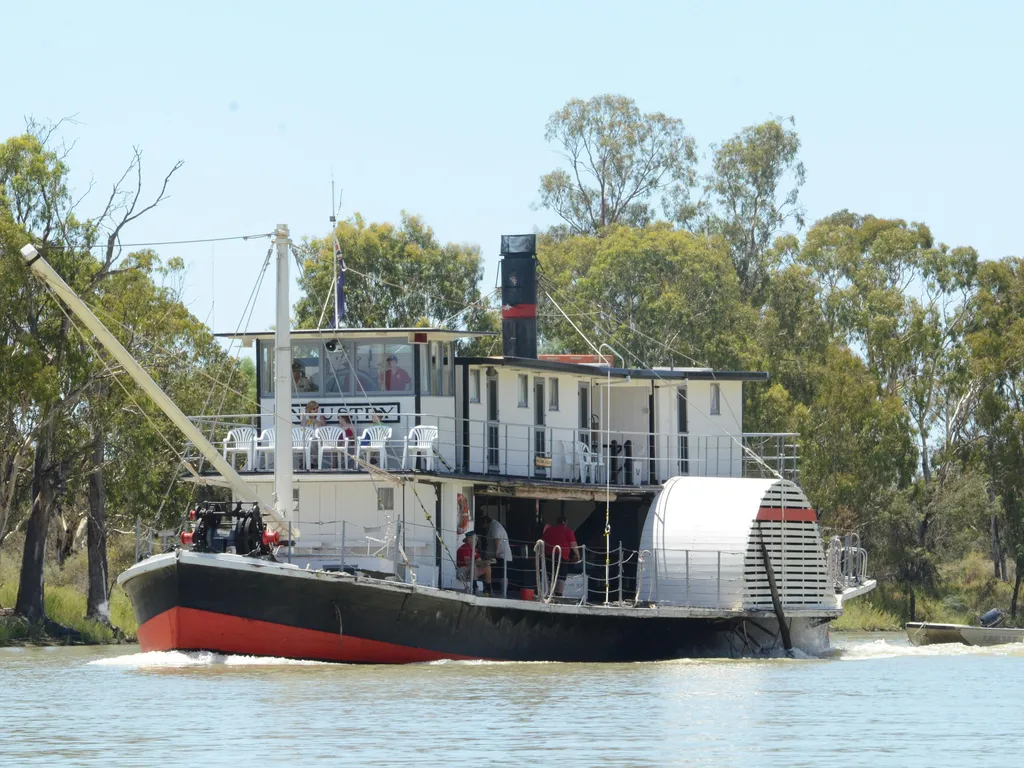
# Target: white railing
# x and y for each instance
(847, 561)
(597, 457)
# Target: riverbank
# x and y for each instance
(65, 601)
(965, 590)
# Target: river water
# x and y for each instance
(875, 701)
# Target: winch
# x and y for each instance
(235, 527)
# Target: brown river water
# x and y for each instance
(874, 701)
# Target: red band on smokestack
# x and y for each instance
(519, 311)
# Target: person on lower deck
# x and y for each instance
(560, 535)
(498, 550)
(467, 555)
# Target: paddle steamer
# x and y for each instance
(696, 537)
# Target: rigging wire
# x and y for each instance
(177, 242)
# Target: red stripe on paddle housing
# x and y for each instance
(778, 515)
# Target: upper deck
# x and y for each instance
(581, 422)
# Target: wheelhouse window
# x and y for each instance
(398, 365)
(306, 367)
(552, 394)
(369, 365)
(524, 391)
(338, 378)
(474, 386)
(266, 369)
(716, 399)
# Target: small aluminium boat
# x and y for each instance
(989, 633)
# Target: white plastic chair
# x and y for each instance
(331, 440)
(265, 448)
(241, 440)
(572, 464)
(589, 464)
(301, 438)
(374, 439)
(421, 441)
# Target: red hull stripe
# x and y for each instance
(188, 629)
(519, 310)
(776, 515)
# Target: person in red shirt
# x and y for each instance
(396, 379)
(560, 535)
(467, 554)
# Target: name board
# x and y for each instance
(542, 461)
(358, 413)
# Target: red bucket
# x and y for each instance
(526, 594)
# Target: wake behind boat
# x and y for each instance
(378, 451)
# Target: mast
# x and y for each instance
(283, 381)
(245, 492)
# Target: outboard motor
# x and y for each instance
(992, 619)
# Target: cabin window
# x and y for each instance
(552, 394)
(386, 499)
(440, 369)
(474, 386)
(716, 399)
(524, 391)
(306, 368)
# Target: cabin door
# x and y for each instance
(540, 453)
(493, 454)
(584, 433)
(684, 439)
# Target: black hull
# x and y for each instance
(237, 605)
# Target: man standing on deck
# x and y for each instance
(498, 549)
(560, 535)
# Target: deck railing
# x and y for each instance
(589, 456)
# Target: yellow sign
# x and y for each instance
(542, 461)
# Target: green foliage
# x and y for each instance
(398, 276)
(618, 159)
(658, 293)
(859, 615)
(749, 206)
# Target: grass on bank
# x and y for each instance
(64, 599)
(966, 590)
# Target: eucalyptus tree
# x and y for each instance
(660, 296)
(750, 196)
(52, 371)
(996, 341)
(396, 275)
(617, 161)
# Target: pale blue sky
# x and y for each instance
(908, 110)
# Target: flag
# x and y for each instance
(339, 291)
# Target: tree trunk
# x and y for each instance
(1016, 589)
(913, 605)
(97, 606)
(44, 492)
(995, 547)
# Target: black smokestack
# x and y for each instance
(519, 296)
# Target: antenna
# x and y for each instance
(335, 208)
(334, 219)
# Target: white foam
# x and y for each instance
(889, 649)
(183, 659)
